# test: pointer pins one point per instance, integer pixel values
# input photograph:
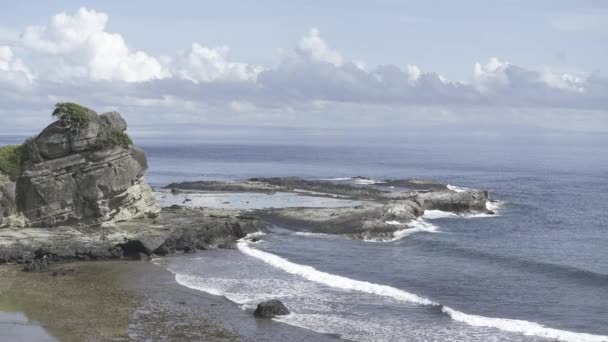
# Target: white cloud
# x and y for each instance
(490, 75)
(413, 72)
(563, 81)
(74, 58)
(314, 48)
(84, 49)
(13, 71)
(211, 64)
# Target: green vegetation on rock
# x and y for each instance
(72, 116)
(112, 137)
(11, 158)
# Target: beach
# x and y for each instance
(124, 301)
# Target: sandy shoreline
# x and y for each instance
(124, 301)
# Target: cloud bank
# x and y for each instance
(73, 57)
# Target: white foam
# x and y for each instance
(457, 188)
(191, 282)
(336, 179)
(394, 223)
(522, 327)
(418, 225)
(494, 205)
(332, 280)
(252, 235)
(436, 214)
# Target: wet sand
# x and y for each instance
(124, 301)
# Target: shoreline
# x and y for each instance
(127, 300)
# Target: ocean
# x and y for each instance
(536, 271)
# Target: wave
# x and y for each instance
(335, 179)
(437, 214)
(508, 325)
(457, 188)
(332, 280)
(317, 235)
(522, 327)
(494, 205)
(418, 225)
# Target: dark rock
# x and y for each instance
(114, 119)
(270, 309)
(140, 257)
(116, 252)
(133, 247)
(37, 265)
(458, 202)
(54, 141)
(87, 138)
(140, 156)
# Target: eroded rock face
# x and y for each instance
(73, 181)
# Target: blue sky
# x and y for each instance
(310, 64)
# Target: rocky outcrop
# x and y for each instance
(85, 176)
(270, 309)
(219, 228)
(467, 201)
(178, 229)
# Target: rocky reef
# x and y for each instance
(386, 206)
(81, 169)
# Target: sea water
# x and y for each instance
(536, 271)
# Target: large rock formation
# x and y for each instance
(92, 175)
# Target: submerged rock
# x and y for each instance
(270, 309)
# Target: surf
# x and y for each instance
(336, 281)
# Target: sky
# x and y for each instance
(270, 67)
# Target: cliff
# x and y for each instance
(81, 169)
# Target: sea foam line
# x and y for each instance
(494, 206)
(312, 274)
(509, 325)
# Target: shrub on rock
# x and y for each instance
(11, 158)
(72, 116)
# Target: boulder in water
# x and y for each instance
(270, 309)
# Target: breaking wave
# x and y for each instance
(508, 325)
